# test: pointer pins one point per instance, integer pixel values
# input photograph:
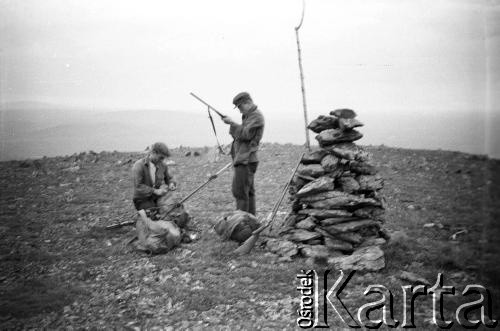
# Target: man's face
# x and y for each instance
(156, 157)
(245, 106)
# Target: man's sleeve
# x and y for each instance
(141, 189)
(168, 179)
(247, 132)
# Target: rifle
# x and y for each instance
(212, 177)
(206, 104)
(247, 246)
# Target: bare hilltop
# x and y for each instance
(61, 268)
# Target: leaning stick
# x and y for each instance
(304, 105)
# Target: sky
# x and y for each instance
(377, 57)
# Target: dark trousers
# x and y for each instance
(243, 187)
(144, 203)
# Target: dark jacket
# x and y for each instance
(143, 185)
(247, 136)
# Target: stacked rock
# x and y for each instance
(337, 207)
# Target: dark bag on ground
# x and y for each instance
(238, 226)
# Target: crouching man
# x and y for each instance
(153, 186)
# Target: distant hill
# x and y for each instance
(32, 130)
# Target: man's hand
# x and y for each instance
(228, 120)
(160, 191)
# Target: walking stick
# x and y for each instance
(118, 225)
(247, 246)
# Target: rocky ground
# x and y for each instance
(60, 267)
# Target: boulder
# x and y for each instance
(306, 224)
(323, 123)
(348, 184)
(348, 151)
(346, 124)
(330, 163)
(352, 226)
(334, 136)
(313, 156)
(343, 113)
(318, 185)
(322, 213)
(369, 258)
(301, 235)
(370, 182)
(311, 170)
(315, 251)
(283, 248)
(362, 168)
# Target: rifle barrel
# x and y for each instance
(206, 104)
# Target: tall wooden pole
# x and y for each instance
(304, 105)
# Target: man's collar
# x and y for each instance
(254, 108)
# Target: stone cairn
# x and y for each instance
(337, 209)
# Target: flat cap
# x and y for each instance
(240, 97)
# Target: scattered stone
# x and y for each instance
(318, 185)
(72, 169)
(323, 123)
(334, 136)
(330, 162)
(398, 236)
(369, 258)
(429, 225)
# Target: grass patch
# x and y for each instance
(37, 296)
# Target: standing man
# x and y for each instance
(151, 177)
(247, 136)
